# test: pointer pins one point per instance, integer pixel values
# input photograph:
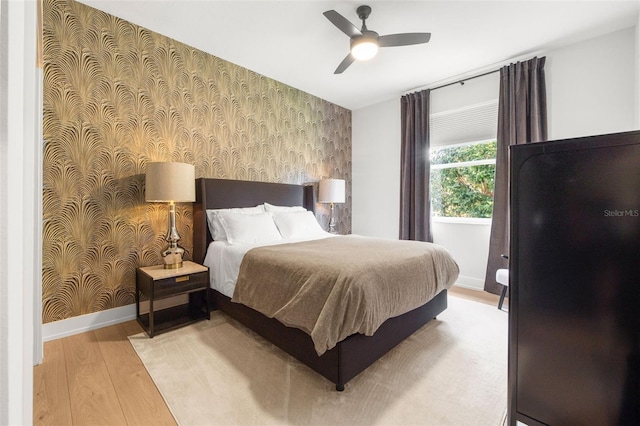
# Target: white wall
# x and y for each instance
(376, 150)
(469, 245)
(592, 88)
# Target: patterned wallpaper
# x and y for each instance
(117, 96)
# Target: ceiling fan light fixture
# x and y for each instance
(364, 48)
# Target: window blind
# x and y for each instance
(471, 123)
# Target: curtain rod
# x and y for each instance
(538, 53)
(465, 79)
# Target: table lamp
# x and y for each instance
(331, 191)
(171, 183)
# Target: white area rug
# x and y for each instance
(453, 371)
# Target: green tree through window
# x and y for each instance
(462, 180)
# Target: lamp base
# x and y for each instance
(332, 222)
(172, 257)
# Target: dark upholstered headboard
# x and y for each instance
(224, 193)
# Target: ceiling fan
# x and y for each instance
(365, 43)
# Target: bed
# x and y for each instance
(350, 355)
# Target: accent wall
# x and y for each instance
(117, 96)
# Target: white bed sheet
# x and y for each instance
(224, 259)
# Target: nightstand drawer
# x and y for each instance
(180, 284)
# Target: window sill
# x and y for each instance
(461, 220)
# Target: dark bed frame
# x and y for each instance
(350, 356)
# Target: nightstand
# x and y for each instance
(155, 283)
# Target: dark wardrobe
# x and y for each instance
(574, 334)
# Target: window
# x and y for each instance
(463, 158)
(462, 180)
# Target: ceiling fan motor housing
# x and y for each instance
(363, 12)
(367, 36)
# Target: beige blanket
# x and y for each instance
(334, 287)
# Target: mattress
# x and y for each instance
(224, 259)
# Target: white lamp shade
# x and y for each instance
(331, 191)
(170, 182)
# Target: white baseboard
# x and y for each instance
(470, 283)
(82, 323)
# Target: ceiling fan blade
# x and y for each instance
(342, 23)
(345, 64)
(403, 39)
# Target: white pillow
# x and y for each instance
(216, 228)
(300, 224)
(272, 209)
(249, 228)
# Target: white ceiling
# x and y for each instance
(292, 42)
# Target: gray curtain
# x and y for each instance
(415, 209)
(522, 118)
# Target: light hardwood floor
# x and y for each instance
(96, 378)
